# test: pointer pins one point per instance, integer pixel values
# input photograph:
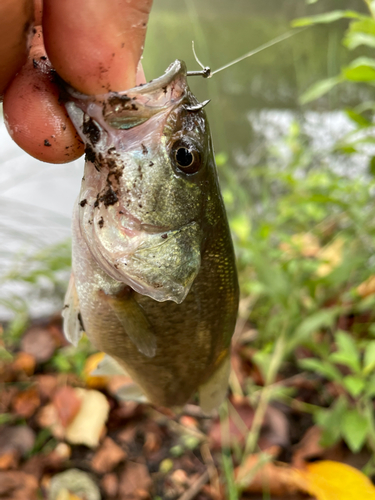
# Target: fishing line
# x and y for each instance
(206, 70)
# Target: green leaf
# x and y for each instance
(327, 421)
(324, 368)
(369, 357)
(354, 40)
(354, 429)
(361, 69)
(320, 319)
(358, 118)
(319, 89)
(328, 17)
(347, 351)
(354, 385)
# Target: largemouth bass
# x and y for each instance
(154, 282)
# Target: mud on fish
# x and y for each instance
(154, 282)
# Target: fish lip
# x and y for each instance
(173, 69)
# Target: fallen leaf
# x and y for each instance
(94, 381)
(367, 287)
(309, 447)
(67, 404)
(47, 385)
(20, 438)
(26, 402)
(258, 473)
(39, 342)
(135, 481)
(9, 460)
(240, 419)
(74, 482)
(328, 480)
(87, 426)
(109, 485)
(24, 362)
(16, 485)
(65, 494)
(331, 257)
(107, 457)
(14, 442)
(47, 417)
(305, 244)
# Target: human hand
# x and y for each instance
(94, 45)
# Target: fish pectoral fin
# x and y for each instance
(212, 393)
(108, 366)
(135, 323)
(131, 392)
(72, 321)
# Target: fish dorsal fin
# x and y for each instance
(131, 392)
(134, 321)
(213, 392)
(108, 366)
(72, 320)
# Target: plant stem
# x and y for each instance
(276, 360)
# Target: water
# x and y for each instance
(253, 104)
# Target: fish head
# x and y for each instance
(143, 205)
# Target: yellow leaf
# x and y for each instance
(65, 494)
(328, 480)
(331, 257)
(367, 287)
(87, 426)
(94, 381)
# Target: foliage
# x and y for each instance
(306, 257)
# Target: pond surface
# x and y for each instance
(253, 104)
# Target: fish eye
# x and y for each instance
(186, 156)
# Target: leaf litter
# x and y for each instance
(65, 436)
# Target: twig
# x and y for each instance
(212, 470)
(195, 488)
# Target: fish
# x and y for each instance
(154, 282)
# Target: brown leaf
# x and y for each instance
(47, 385)
(127, 434)
(107, 457)
(39, 342)
(7, 396)
(26, 402)
(275, 429)
(240, 419)
(47, 418)
(36, 465)
(134, 482)
(67, 404)
(16, 485)
(24, 362)
(20, 439)
(256, 476)
(109, 485)
(9, 460)
(308, 447)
